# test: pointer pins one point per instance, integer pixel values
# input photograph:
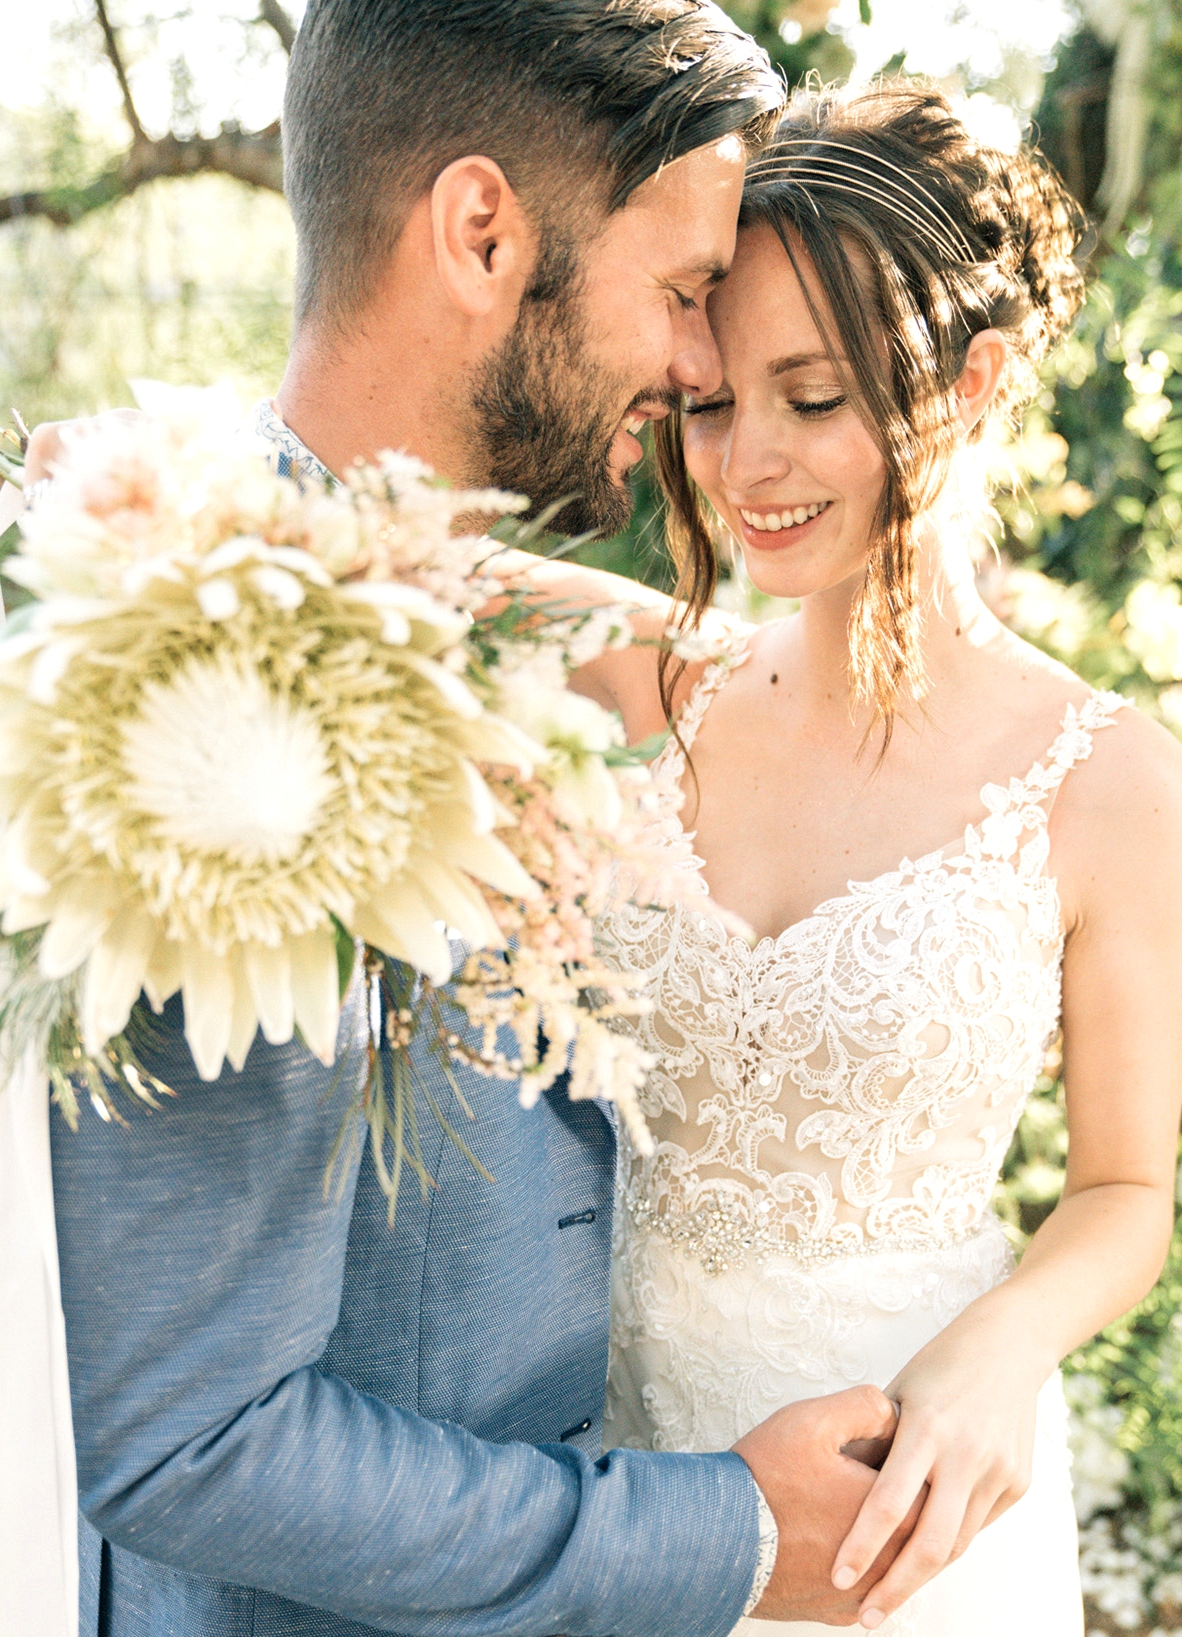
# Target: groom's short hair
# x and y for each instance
(578, 101)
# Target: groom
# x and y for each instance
(292, 1419)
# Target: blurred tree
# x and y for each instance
(250, 156)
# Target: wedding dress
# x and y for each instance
(831, 1109)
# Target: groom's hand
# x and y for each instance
(810, 1459)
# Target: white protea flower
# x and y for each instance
(210, 750)
(225, 765)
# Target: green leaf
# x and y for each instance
(646, 751)
(864, 10)
(346, 955)
(1129, 509)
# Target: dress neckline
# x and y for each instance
(1021, 800)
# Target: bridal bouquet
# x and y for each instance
(258, 743)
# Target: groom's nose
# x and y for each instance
(696, 366)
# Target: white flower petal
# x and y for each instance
(218, 599)
(402, 924)
(82, 913)
(445, 624)
(396, 628)
(23, 914)
(50, 665)
(233, 553)
(299, 562)
(315, 990)
(21, 850)
(586, 793)
(281, 586)
(490, 860)
(451, 689)
(480, 800)
(244, 1023)
(137, 577)
(493, 739)
(268, 971)
(115, 976)
(457, 902)
(208, 992)
(163, 976)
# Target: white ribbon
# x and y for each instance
(38, 1482)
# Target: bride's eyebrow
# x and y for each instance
(799, 360)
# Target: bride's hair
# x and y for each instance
(920, 236)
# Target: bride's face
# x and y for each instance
(779, 449)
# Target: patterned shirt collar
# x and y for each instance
(289, 456)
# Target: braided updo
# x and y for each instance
(920, 237)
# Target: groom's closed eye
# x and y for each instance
(693, 284)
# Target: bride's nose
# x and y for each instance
(753, 453)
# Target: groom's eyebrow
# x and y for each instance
(705, 272)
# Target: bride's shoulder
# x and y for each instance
(1126, 768)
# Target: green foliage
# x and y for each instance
(188, 281)
(1093, 516)
(1139, 1360)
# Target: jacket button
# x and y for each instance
(579, 1216)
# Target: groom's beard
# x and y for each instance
(547, 414)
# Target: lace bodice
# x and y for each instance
(852, 1084)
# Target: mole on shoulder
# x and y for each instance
(775, 676)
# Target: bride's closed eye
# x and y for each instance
(812, 408)
(707, 406)
(806, 408)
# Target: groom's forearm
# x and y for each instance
(331, 1498)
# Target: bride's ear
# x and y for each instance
(980, 378)
(484, 243)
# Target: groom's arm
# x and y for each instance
(202, 1273)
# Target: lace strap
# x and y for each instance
(734, 651)
(1072, 745)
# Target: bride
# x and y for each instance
(948, 847)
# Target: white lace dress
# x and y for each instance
(831, 1109)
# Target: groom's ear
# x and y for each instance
(484, 243)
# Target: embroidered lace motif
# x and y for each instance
(851, 1085)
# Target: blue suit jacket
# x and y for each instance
(293, 1420)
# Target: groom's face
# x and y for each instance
(612, 334)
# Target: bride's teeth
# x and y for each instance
(773, 522)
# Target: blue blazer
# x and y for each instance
(292, 1419)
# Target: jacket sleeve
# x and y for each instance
(201, 1275)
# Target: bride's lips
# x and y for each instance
(779, 527)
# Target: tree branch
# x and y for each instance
(270, 11)
(250, 156)
(111, 41)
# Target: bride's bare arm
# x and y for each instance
(623, 679)
(968, 1399)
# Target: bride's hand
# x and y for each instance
(967, 1405)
